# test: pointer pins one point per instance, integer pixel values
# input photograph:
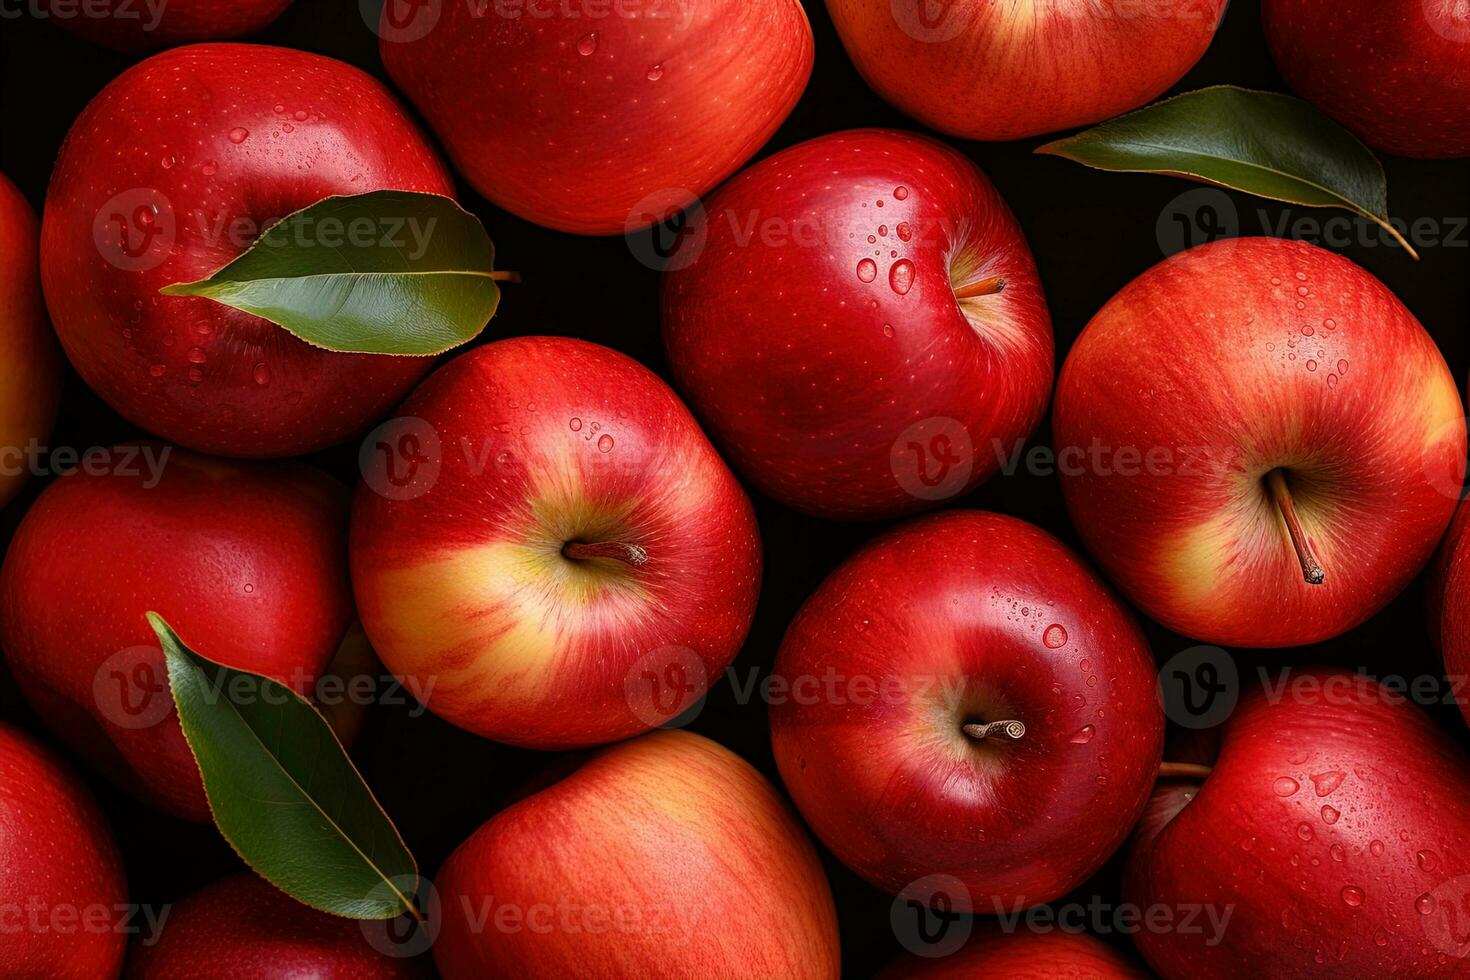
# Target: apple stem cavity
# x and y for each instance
(1007, 729)
(630, 554)
(983, 287)
(1184, 770)
(1311, 569)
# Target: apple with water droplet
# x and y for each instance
(1395, 72)
(549, 551)
(1259, 443)
(983, 70)
(604, 120)
(165, 178)
(859, 322)
(964, 697)
(147, 25)
(1330, 830)
(1447, 590)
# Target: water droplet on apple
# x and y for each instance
(262, 374)
(209, 169)
(157, 370)
(655, 73)
(904, 231)
(503, 459)
(1380, 938)
(1055, 636)
(587, 45)
(1337, 853)
(900, 193)
(575, 425)
(1304, 831)
(239, 135)
(888, 330)
(1427, 860)
(1352, 895)
(605, 444)
(901, 277)
(197, 355)
(872, 239)
(1342, 366)
(1376, 848)
(1311, 365)
(195, 375)
(1330, 324)
(1285, 786)
(1330, 814)
(300, 115)
(1326, 782)
(1425, 904)
(867, 270)
(1083, 735)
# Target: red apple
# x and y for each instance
(62, 891)
(169, 174)
(983, 70)
(147, 25)
(245, 561)
(859, 321)
(1057, 955)
(1259, 443)
(1395, 72)
(30, 364)
(598, 119)
(665, 856)
(565, 560)
(243, 928)
(1448, 592)
(1332, 831)
(964, 698)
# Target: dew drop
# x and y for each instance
(197, 355)
(1337, 853)
(587, 45)
(1330, 814)
(1304, 831)
(1425, 904)
(576, 425)
(1055, 636)
(300, 115)
(900, 193)
(867, 270)
(655, 73)
(1285, 786)
(1326, 782)
(209, 169)
(1083, 735)
(262, 374)
(888, 330)
(157, 370)
(1427, 860)
(605, 444)
(905, 233)
(1376, 848)
(1352, 895)
(901, 277)
(239, 135)
(1342, 367)
(1311, 365)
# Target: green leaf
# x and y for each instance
(1263, 143)
(284, 792)
(391, 272)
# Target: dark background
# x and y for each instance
(1091, 232)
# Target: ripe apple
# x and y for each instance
(246, 561)
(1262, 446)
(982, 70)
(965, 698)
(860, 323)
(1448, 593)
(1332, 829)
(1057, 955)
(599, 124)
(147, 25)
(164, 179)
(62, 889)
(30, 365)
(566, 558)
(665, 856)
(1395, 72)
(243, 928)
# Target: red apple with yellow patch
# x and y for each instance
(563, 554)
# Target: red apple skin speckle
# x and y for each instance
(195, 152)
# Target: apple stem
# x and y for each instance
(1009, 729)
(985, 287)
(632, 554)
(1311, 568)
(503, 276)
(1183, 770)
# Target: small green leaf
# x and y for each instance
(390, 272)
(1263, 143)
(284, 792)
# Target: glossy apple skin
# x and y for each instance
(1447, 591)
(671, 834)
(58, 861)
(30, 364)
(246, 561)
(1021, 955)
(543, 441)
(130, 25)
(1004, 71)
(1229, 361)
(955, 617)
(1326, 879)
(575, 122)
(244, 928)
(809, 377)
(186, 368)
(1395, 72)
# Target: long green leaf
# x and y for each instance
(284, 792)
(390, 272)
(1263, 143)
